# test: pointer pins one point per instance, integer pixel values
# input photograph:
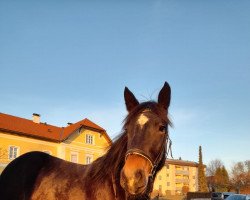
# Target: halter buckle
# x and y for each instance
(153, 171)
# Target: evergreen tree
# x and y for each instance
(202, 183)
(225, 175)
(221, 179)
(218, 180)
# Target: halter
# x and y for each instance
(154, 163)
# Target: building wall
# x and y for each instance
(24, 145)
(73, 147)
(171, 179)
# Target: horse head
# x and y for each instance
(146, 127)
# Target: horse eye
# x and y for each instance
(162, 128)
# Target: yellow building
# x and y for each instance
(80, 142)
(176, 176)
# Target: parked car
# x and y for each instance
(220, 195)
(239, 197)
(227, 194)
(216, 196)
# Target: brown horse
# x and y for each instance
(126, 171)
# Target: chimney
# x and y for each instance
(69, 123)
(36, 118)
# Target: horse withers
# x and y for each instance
(127, 171)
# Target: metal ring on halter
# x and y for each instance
(152, 173)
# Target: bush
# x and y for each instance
(195, 195)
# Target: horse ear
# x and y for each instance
(165, 96)
(130, 100)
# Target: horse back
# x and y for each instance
(18, 178)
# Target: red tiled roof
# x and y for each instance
(45, 131)
(85, 123)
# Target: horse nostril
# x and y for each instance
(139, 174)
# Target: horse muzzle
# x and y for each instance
(134, 185)
(134, 175)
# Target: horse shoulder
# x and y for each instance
(59, 180)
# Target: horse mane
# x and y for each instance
(113, 161)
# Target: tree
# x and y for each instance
(3, 153)
(225, 176)
(185, 189)
(221, 179)
(212, 169)
(247, 164)
(240, 176)
(202, 184)
(3, 157)
(213, 166)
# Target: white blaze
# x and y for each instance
(142, 120)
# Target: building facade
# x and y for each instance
(177, 177)
(80, 142)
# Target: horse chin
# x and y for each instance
(135, 192)
(135, 196)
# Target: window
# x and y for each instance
(178, 168)
(13, 152)
(159, 177)
(168, 183)
(178, 176)
(160, 188)
(89, 139)
(74, 157)
(89, 159)
(167, 175)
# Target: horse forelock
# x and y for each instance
(149, 106)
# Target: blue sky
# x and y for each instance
(68, 60)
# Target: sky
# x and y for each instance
(70, 60)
